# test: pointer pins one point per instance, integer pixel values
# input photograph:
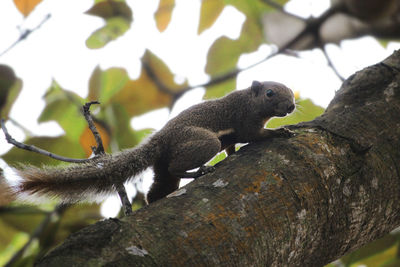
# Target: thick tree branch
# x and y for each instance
(302, 201)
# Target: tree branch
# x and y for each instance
(330, 64)
(98, 151)
(24, 34)
(301, 201)
(312, 27)
(36, 149)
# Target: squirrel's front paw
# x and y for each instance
(283, 132)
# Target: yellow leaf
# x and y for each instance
(141, 95)
(210, 10)
(146, 93)
(161, 71)
(163, 14)
(87, 140)
(26, 6)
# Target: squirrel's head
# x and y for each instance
(273, 99)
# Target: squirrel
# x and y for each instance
(186, 142)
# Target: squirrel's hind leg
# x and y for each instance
(194, 152)
(194, 147)
(164, 182)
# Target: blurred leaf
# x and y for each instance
(88, 141)
(254, 10)
(306, 110)
(74, 218)
(64, 107)
(118, 17)
(105, 84)
(10, 87)
(123, 133)
(19, 221)
(164, 13)
(7, 233)
(384, 42)
(114, 28)
(161, 71)
(219, 157)
(378, 259)
(224, 54)
(373, 253)
(210, 11)
(393, 262)
(26, 6)
(110, 9)
(16, 242)
(143, 94)
(220, 89)
(58, 145)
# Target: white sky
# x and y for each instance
(57, 50)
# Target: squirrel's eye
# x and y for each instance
(270, 93)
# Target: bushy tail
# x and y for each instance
(86, 181)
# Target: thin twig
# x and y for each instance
(126, 204)
(36, 149)
(58, 210)
(99, 149)
(280, 8)
(25, 34)
(330, 64)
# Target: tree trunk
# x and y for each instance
(300, 201)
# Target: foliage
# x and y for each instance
(122, 99)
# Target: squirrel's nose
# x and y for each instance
(290, 108)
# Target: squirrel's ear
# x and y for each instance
(256, 87)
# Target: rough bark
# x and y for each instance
(301, 201)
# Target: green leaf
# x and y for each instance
(17, 241)
(119, 120)
(114, 28)
(64, 107)
(225, 52)
(72, 220)
(220, 89)
(111, 9)
(10, 87)
(164, 13)
(58, 145)
(374, 253)
(118, 17)
(105, 84)
(306, 110)
(219, 157)
(210, 11)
